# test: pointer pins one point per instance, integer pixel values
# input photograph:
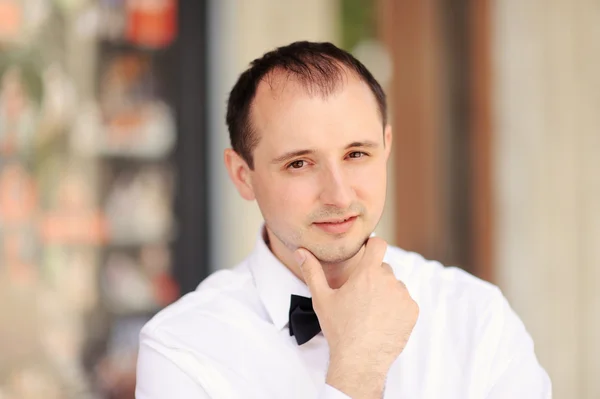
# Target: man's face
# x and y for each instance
(320, 166)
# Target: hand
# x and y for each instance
(367, 321)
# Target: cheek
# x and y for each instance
(370, 184)
(298, 195)
(289, 197)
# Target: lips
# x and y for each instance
(336, 221)
(336, 226)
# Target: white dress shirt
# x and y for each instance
(230, 339)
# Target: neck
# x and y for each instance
(336, 273)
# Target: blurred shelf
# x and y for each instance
(137, 242)
(130, 158)
(122, 45)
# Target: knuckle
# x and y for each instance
(391, 283)
(415, 309)
(387, 268)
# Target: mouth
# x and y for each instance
(336, 220)
(336, 225)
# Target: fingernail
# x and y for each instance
(300, 257)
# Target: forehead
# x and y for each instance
(288, 112)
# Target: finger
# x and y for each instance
(375, 251)
(387, 268)
(313, 273)
(402, 285)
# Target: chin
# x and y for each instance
(332, 258)
(327, 248)
(337, 252)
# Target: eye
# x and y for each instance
(296, 164)
(357, 154)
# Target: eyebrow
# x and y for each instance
(290, 155)
(363, 144)
(293, 154)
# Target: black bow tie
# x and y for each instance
(304, 324)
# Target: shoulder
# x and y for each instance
(453, 303)
(434, 285)
(213, 335)
(225, 298)
(466, 326)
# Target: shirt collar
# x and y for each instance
(274, 281)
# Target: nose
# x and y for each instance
(336, 189)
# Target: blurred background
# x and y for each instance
(114, 200)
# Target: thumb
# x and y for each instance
(312, 271)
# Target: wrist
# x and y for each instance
(357, 379)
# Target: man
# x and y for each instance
(310, 140)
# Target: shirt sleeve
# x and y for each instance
(330, 392)
(158, 377)
(516, 372)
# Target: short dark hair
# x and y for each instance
(317, 66)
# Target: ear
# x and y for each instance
(239, 173)
(387, 139)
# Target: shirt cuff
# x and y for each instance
(330, 392)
